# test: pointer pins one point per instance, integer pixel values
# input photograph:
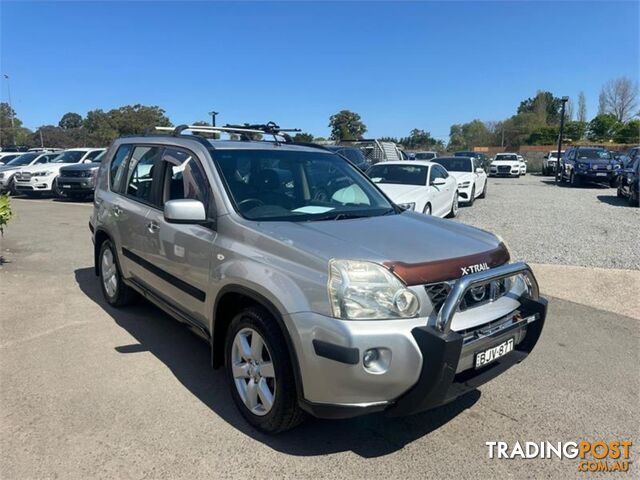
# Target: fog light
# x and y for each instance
(377, 360)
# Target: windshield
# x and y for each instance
(555, 154)
(99, 158)
(270, 185)
(355, 155)
(398, 174)
(593, 154)
(455, 164)
(424, 155)
(70, 156)
(506, 157)
(463, 154)
(21, 160)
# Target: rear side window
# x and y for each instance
(184, 177)
(116, 168)
(140, 177)
(92, 155)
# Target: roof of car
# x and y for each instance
(424, 163)
(506, 153)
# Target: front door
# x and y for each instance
(181, 253)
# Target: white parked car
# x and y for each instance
(6, 157)
(471, 177)
(506, 164)
(37, 179)
(420, 185)
(8, 171)
(523, 165)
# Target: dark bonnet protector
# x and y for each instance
(450, 268)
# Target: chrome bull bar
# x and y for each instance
(464, 284)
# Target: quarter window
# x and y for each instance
(140, 178)
(116, 168)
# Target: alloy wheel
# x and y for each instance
(253, 372)
(109, 273)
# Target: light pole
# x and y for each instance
(213, 117)
(564, 102)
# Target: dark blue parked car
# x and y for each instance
(588, 164)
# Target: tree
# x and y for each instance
(303, 137)
(70, 120)
(136, 119)
(468, 135)
(544, 105)
(419, 140)
(346, 125)
(629, 133)
(582, 108)
(602, 104)
(574, 130)
(9, 125)
(603, 128)
(620, 97)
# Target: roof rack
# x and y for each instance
(246, 131)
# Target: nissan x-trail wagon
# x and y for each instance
(315, 292)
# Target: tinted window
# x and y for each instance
(354, 155)
(424, 155)
(140, 177)
(506, 157)
(70, 156)
(594, 153)
(17, 160)
(116, 168)
(398, 174)
(93, 155)
(455, 164)
(439, 172)
(184, 177)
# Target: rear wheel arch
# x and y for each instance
(232, 299)
(99, 238)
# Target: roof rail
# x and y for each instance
(246, 131)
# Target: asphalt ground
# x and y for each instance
(88, 391)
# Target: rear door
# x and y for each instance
(181, 253)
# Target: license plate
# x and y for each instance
(66, 186)
(490, 354)
(601, 174)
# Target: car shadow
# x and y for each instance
(188, 358)
(613, 200)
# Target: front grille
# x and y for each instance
(23, 176)
(504, 168)
(438, 293)
(75, 173)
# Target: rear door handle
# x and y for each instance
(153, 227)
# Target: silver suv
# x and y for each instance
(315, 292)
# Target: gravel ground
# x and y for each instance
(544, 223)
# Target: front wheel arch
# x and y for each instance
(230, 300)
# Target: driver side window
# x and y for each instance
(184, 178)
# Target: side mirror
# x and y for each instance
(185, 211)
(87, 160)
(439, 181)
(479, 170)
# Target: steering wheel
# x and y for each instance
(257, 201)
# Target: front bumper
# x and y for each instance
(79, 185)
(595, 175)
(464, 193)
(430, 363)
(35, 184)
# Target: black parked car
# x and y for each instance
(79, 181)
(587, 164)
(628, 182)
(353, 154)
(481, 157)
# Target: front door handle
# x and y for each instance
(153, 227)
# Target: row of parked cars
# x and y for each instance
(587, 164)
(67, 173)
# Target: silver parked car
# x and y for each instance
(335, 304)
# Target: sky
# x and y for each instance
(401, 66)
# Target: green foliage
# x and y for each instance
(544, 135)
(544, 105)
(468, 135)
(574, 131)
(303, 137)
(70, 120)
(11, 133)
(628, 133)
(603, 127)
(5, 212)
(346, 125)
(421, 140)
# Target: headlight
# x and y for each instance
(464, 184)
(582, 166)
(608, 167)
(360, 290)
(408, 206)
(42, 174)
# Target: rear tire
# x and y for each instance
(115, 291)
(634, 198)
(619, 193)
(261, 377)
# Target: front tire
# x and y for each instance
(484, 190)
(427, 209)
(454, 207)
(472, 198)
(115, 292)
(260, 372)
(55, 189)
(573, 180)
